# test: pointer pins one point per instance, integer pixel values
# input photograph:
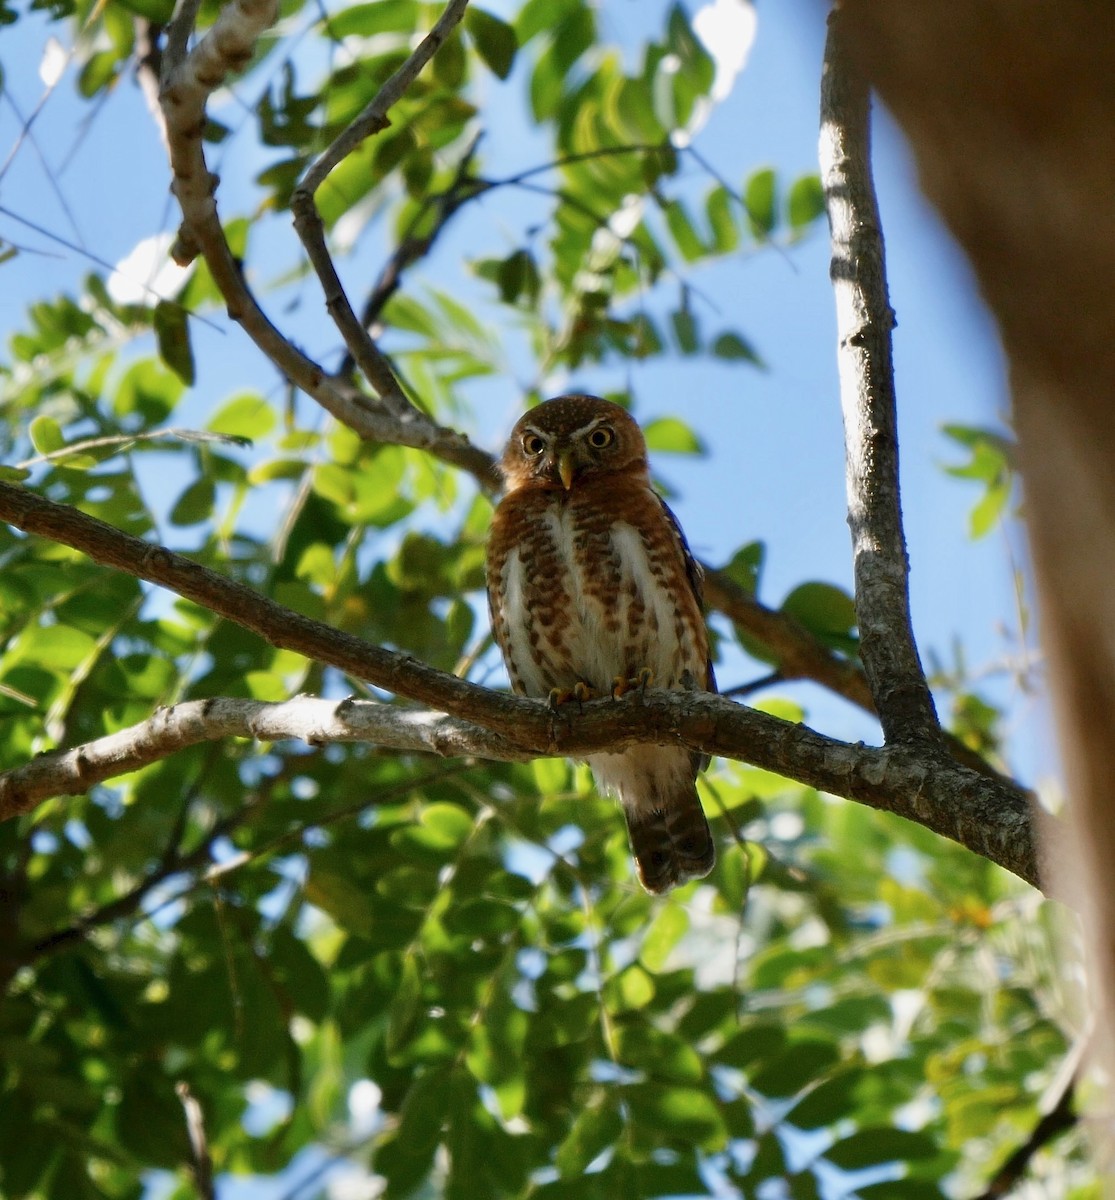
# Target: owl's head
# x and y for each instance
(570, 439)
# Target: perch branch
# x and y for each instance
(989, 818)
(306, 718)
(865, 320)
(992, 818)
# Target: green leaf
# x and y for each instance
(148, 389)
(596, 1127)
(195, 504)
(753, 1044)
(449, 823)
(805, 203)
(347, 903)
(159, 11)
(880, 1144)
(246, 416)
(803, 1062)
(56, 647)
(745, 566)
(988, 510)
(686, 333)
(822, 608)
(666, 930)
(734, 348)
(678, 1114)
(99, 72)
(759, 201)
(671, 435)
(46, 435)
(683, 231)
(172, 332)
(405, 1156)
(495, 40)
(922, 1189)
(367, 20)
(829, 1102)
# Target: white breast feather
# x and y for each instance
(597, 655)
(521, 652)
(593, 651)
(661, 648)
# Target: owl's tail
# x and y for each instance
(670, 840)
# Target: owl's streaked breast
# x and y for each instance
(586, 592)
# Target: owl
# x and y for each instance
(592, 590)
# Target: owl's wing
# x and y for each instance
(694, 573)
(497, 553)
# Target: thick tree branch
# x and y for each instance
(986, 815)
(865, 320)
(306, 718)
(1008, 114)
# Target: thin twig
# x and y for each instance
(124, 441)
(202, 1165)
(311, 229)
(1059, 1119)
(412, 246)
(753, 685)
(865, 319)
(374, 117)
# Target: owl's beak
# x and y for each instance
(565, 468)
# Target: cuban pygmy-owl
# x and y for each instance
(591, 586)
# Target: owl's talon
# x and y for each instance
(580, 692)
(622, 684)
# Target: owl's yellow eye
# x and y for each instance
(601, 436)
(533, 444)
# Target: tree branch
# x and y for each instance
(990, 817)
(186, 89)
(1060, 1118)
(306, 718)
(374, 117)
(311, 229)
(796, 651)
(413, 246)
(865, 319)
(202, 1165)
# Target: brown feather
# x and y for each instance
(589, 579)
(672, 843)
